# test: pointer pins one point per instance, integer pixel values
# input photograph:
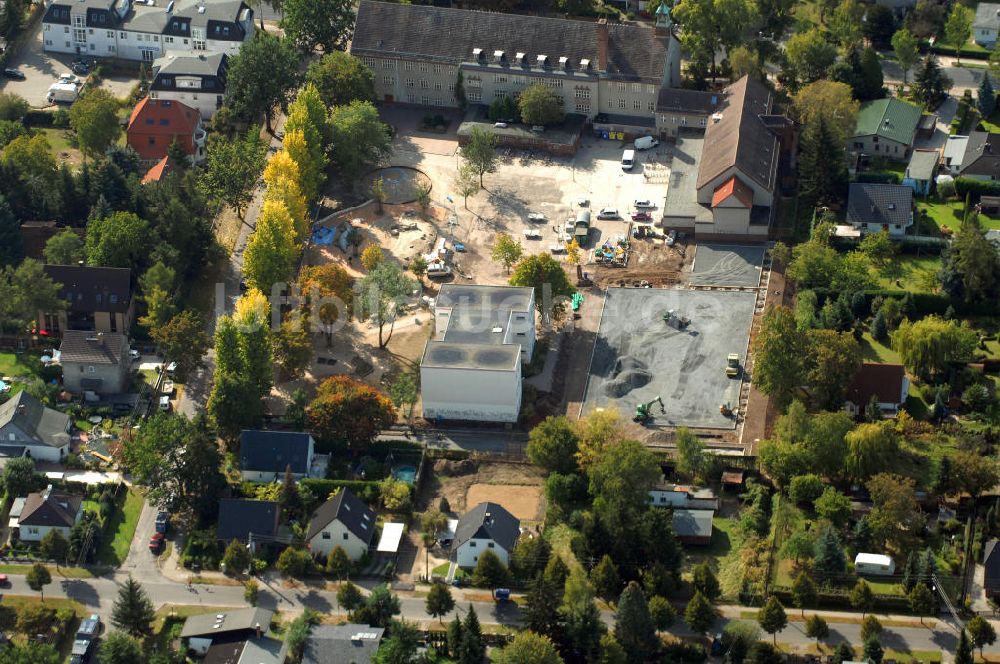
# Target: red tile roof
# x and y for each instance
(156, 173)
(155, 123)
(883, 381)
(733, 187)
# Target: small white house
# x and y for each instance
(343, 521)
(471, 368)
(986, 24)
(46, 511)
(874, 564)
(43, 432)
(486, 527)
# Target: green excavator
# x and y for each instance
(642, 411)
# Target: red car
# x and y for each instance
(642, 216)
(156, 542)
(4, 581)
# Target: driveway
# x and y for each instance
(41, 68)
(140, 563)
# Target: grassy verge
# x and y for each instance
(63, 572)
(63, 641)
(120, 529)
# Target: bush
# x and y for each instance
(977, 188)
(39, 119)
(366, 491)
(202, 550)
(60, 118)
(878, 177)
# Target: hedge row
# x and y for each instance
(977, 188)
(972, 54)
(363, 489)
(924, 304)
(841, 599)
(878, 177)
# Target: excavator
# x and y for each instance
(642, 411)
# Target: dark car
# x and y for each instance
(80, 67)
(15, 74)
(641, 216)
(89, 627)
(162, 522)
(80, 652)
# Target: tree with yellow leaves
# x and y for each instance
(287, 192)
(282, 165)
(271, 252)
(310, 165)
(310, 99)
(573, 252)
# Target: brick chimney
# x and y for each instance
(602, 44)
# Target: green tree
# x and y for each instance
(120, 648)
(338, 563)
(772, 617)
(54, 546)
(298, 633)
(699, 614)
(262, 76)
(691, 459)
(26, 290)
(37, 578)
(157, 285)
(763, 653)
(745, 61)
(541, 610)
(823, 167)
(292, 346)
(349, 597)
(805, 488)
(506, 250)
(13, 107)
(969, 266)
(834, 360)
(958, 28)
(19, 477)
(662, 612)
(778, 349)
(341, 78)
(547, 277)
(879, 248)
(620, 480)
(711, 25)
(737, 638)
(816, 628)
(634, 628)
(921, 601)
(380, 297)
(64, 248)
(418, 267)
(986, 97)
(94, 119)
(930, 84)
(929, 346)
(804, 592)
(611, 651)
(439, 601)
(454, 636)
(980, 631)
(293, 562)
(963, 653)
(490, 572)
(829, 562)
(871, 447)
(467, 182)
(471, 649)
(809, 55)
(31, 652)
(233, 168)
(539, 105)
(348, 411)
(895, 515)
(117, 241)
(271, 251)
(251, 590)
(133, 611)
(11, 246)
(236, 558)
(705, 582)
(479, 154)
(553, 445)
(234, 404)
(904, 45)
(833, 506)
(324, 23)
(862, 597)
(360, 138)
(528, 647)
(607, 582)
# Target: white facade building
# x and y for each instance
(46, 511)
(196, 80)
(471, 368)
(486, 527)
(146, 31)
(343, 521)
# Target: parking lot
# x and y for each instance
(639, 357)
(43, 69)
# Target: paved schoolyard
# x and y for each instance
(638, 357)
(726, 265)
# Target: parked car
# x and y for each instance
(4, 581)
(80, 67)
(168, 387)
(164, 403)
(162, 522)
(69, 78)
(459, 247)
(89, 627)
(532, 234)
(641, 216)
(608, 213)
(438, 270)
(536, 217)
(500, 125)
(81, 651)
(16, 74)
(641, 203)
(538, 129)
(134, 354)
(156, 542)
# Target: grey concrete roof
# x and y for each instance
(43, 424)
(488, 521)
(982, 155)
(511, 298)
(445, 355)
(274, 451)
(682, 190)
(342, 644)
(693, 523)
(230, 621)
(869, 203)
(93, 348)
(923, 164)
(481, 315)
(50, 508)
(349, 510)
(239, 518)
(180, 64)
(987, 16)
(421, 32)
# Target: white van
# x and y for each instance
(645, 143)
(628, 160)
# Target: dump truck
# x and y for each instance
(733, 365)
(581, 227)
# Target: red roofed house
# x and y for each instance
(886, 382)
(156, 123)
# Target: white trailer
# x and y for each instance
(874, 564)
(62, 92)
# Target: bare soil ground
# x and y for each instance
(501, 482)
(524, 502)
(650, 261)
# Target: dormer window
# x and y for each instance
(542, 60)
(498, 56)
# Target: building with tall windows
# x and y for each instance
(417, 53)
(145, 29)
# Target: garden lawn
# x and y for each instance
(876, 351)
(719, 548)
(944, 213)
(917, 274)
(19, 365)
(120, 529)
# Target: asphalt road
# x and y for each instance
(98, 595)
(962, 78)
